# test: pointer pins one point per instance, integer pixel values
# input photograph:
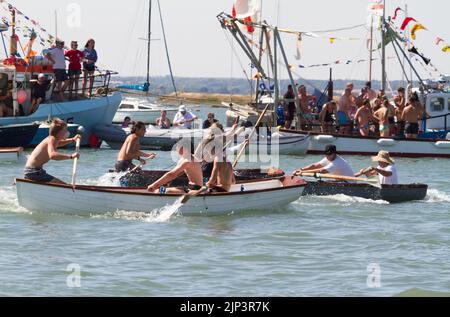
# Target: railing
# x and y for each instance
(445, 116)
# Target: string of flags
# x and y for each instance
(342, 62)
(417, 27)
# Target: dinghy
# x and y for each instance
(10, 154)
(87, 200)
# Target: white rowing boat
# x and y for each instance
(10, 154)
(87, 200)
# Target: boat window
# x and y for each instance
(437, 104)
(448, 104)
(143, 108)
(126, 106)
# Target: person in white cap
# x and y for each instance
(39, 92)
(183, 119)
(386, 171)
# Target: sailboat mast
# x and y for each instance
(383, 45)
(149, 39)
(371, 50)
(13, 42)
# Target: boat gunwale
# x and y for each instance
(135, 191)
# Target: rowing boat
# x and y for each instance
(87, 200)
(10, 154)
(389, 193)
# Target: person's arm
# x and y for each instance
(310, 168)
(50, 58)
(381, 172)
(192, 119)
(147, 155)
(54, 155)
(168, 177)
(215, 173)
(69, 141)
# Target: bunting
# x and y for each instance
(406, 22)
(414, 50)
(248, 11)
(397, 10)
(342, 62)
(416, 28)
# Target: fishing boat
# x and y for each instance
(389, 193)
(87, 200)
(19, 74)
(17, 135)
(136, 110)
(281, 142)
(44, 130)
(10, 154)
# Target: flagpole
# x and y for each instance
(371, 49)
(149, 40)
(383, 45)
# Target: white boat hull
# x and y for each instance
(146, 116)
(88, 200)
(10, 155)
(371, 146)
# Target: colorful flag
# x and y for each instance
(416, 28)
(446, 49)
(406, 22)
(397, 10)
(439, 41)
(248, 10)
(298, 53)
(376, 7)
(415, 51)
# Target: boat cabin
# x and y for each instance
(438, 107)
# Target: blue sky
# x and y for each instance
(199, 47)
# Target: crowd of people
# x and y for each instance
(369, 113)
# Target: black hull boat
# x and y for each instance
(19, 135)
(389, 193)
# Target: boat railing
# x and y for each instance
(445, 116)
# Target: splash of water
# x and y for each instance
(9, 201)
(339, 199)
(435, 196)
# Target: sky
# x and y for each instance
(199, 47)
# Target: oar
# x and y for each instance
(373, 182)
(140, 165)
(236, 161)
(80, 131)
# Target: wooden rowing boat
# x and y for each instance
(87, 200)
(389, 193)
(10, 154)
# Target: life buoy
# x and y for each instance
(94, 141)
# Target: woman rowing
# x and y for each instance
(386, 171)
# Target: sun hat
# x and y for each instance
(384, 157)
(182, 108)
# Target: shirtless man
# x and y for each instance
(131, 150)
(344, 106)
(188, 165)
(400, 103)
(382, 116)
(304, 106)
(371, 94)
(412, 114)
(363, 117)
(327, 117)
(222, 177)
(48, 150)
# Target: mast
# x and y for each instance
(56, 24)
(13, 42)
(149, 42)
(383, 48)
(371, 50)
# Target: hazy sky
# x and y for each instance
(199, 47)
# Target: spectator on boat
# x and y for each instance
(7, 102)
(400, 104)
(343, 111)
(290, 108)
(90, 58)
(371, 94)
(327, 117)
(305, 101)
(48, 150)
(75, 57)
(382, 117)
(281, 117)
(187, 165)
(331, 164)
(163, 122)
(412, 114)
(363, 117)
(39, 92)
(210, 121)
(131, 150)
(184, 118)
(126, 122)
(57, 58)
(386, 171)
(391, 117)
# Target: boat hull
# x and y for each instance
(87, 113)
(17, 135)
(10, 154)
(44, 130)
(147, 116)
(88, 200)
(389, 193)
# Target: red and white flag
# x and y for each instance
(248, 10)
(376, 7)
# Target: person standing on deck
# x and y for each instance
(412, 114)
(90, 58)
(400, 103)
(371, 94)
(386, 171)
(48, 150)
(289, 104)
(131, 150)
(344, 106)
(305, 100)
(57, 58)
(163, 122)
(75, 57)
(331, 164)
(363, 117)
(184, 118)
(327, 117)
(39, 92)
(382, 117)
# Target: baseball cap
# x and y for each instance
(330, 149)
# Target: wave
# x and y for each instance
(162, 215)
(340, 199)
(435, 196)
(416, 292)
(9, 201)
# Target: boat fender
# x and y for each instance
(386, 142)
(325, 138)
(443, 144)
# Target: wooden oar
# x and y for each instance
(236, 161)
(338, 177)
(80, 131)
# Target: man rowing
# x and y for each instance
(187, 165)
(131, 150)
(48, 150)
(331, 164)
(386, 171)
